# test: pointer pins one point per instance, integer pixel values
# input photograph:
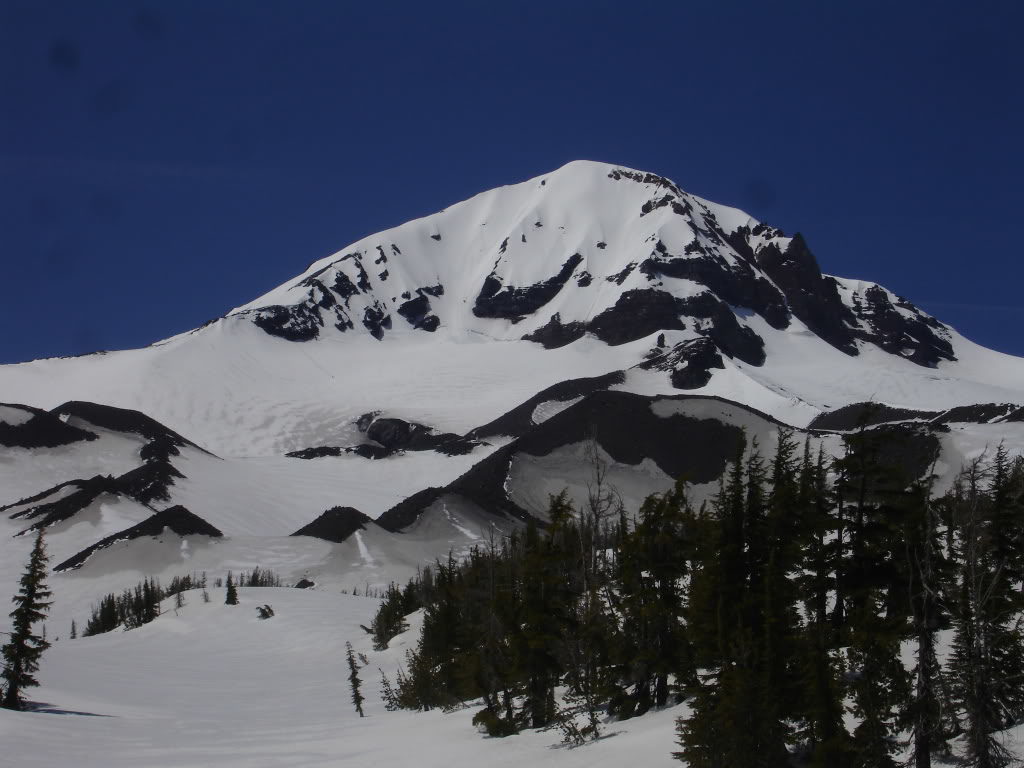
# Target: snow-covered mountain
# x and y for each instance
(399, 398)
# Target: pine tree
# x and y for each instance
(232, 592)
(74, 630)
(820, 725)
(353, 679)
(22, 652)
(926, 571)
(985, 644)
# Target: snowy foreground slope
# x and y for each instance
(212, 686)
(411, 395)
(215, 687)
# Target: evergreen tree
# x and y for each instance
(820, 725)
(353, 679)
(986, 638)
(22, 652)
(232, 593)
(546, 613)
(926, 568)
(74, 630)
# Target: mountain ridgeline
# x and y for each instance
(674, 261)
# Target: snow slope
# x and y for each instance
(214, 686)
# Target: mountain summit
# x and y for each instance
(599, 249)
(453, 319)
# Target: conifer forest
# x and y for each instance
(816, 612)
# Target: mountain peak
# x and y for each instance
(591, 248)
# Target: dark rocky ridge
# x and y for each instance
(622, 423)
(336, 524)
(689, 363)
(40, 496)
(147, 483)
(625, 427)
(555, 334)
(500, 301)
(127, 421)
(858, 415)
(519, 421)
(388, 435)
(176, 519)
(43, 430)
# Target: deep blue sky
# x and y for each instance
(163, 162)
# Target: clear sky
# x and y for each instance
(163, 162)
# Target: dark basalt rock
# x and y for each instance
(149, 483)
(297, 323)
(407, 511)
(620, 277)
(163, 441)
(336, 524)
(737, 285)
(636, 314)
(555, 334)
(980, 413)
(584, 279)
(644, 178)
(653, 205)
(343, 286)
(51, 512)
(724, 330)
(398, 435)
(519, 420)
(689, 362)
(417, 313)
(369, 451)
(159, 448)
(42, 430)
(38, 497)
(392, 433)
(124, 420)
(913, 338)
(376, 320)
(1015, 416)
(813, 298)
(431, 290)
(622, 423)
(858, 415)
(510, 303)
(175, 519)
(317, 452)
(304, 583)
(145, 484)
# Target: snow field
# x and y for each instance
(215, 687)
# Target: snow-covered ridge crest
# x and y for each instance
(586, 249)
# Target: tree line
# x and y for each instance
(773, 610)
